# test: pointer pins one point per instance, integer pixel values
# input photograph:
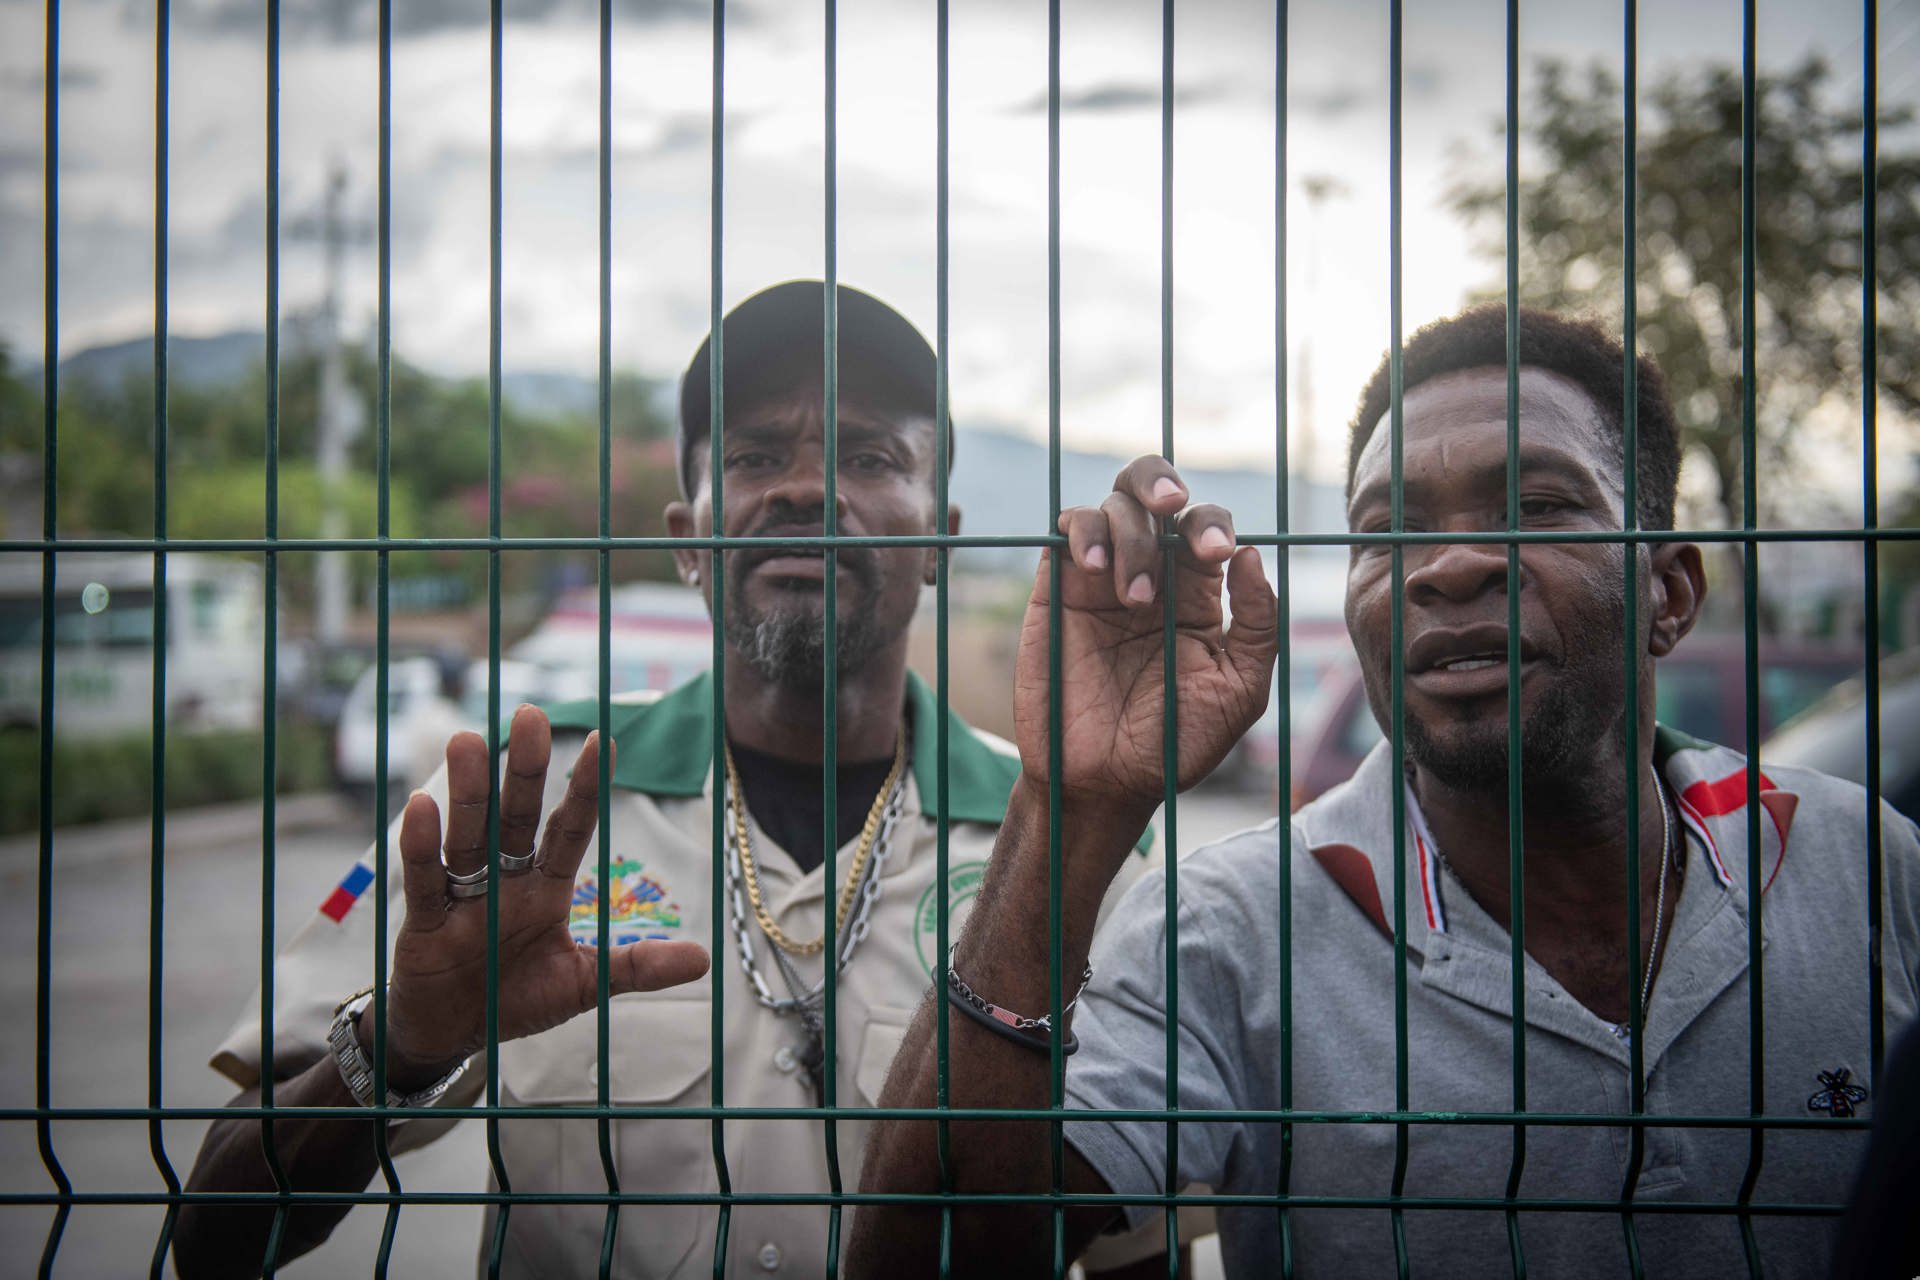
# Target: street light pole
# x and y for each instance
(340, 419)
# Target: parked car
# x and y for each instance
(1319, 665)
(1831, 735)
(1317, 661)
(316, 679)
(1700, 690)
(658, 635)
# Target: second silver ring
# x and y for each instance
(470, 884)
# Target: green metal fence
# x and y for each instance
(62, 1196)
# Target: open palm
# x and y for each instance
(436, 1006)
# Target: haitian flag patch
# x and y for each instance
(347, 892)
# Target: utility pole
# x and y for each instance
(1318, 188)
(341, 417)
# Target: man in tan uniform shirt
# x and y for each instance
(661, 858)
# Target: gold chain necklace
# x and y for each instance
(750, 877)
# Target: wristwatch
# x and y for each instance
(344, 1040)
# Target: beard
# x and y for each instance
(786, 644)
(1557, 737)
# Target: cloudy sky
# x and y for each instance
(1224, 224)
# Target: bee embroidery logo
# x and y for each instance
(1840, 1096)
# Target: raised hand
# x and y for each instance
(436, 1006)
(1111, 643)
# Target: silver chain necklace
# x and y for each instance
(1660, 900)
(799, 1001)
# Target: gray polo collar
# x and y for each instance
(1463, 951)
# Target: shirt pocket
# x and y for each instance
(879, 1042)
(659, 1055)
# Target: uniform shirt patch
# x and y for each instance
(638, 909)
(963, 886)
(347, 892)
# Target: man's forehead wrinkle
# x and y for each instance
(1449, 419)
(803, 407)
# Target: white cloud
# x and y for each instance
(1110, 174)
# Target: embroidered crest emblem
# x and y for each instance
(1839, 1097)
(638, 908)
(963, 886)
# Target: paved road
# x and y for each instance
(210, 961)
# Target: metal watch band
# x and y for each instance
(357, 1072)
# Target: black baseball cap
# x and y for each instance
(778, 336)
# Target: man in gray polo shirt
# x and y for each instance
(1263, 1021)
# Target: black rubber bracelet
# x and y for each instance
(1068, 1047)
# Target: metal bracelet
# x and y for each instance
(1069, 1046)
(1006, 1016)
(357, 1073)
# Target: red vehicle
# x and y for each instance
(1700, 690)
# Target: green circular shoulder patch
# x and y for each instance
(963, 886)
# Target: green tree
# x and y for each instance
(438, 449)
(20, 423)
(1687, 287)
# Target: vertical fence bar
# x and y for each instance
(495, 55)
(1283, 681)
(716, 478)
(156, 861)
(1870, 509)
(1397, 672)
(49, 572)
(830, 682)
(603, 996)
(942, 612)
(1056, 1087)
(1516, 831)
(269, 648)
(1169, 635)
(383, 527)
(1749, 504)
(1630, 631)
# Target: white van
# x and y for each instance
(103, 638)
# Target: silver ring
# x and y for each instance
(517, 864)
(471, 884)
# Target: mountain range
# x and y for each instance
(1000, 474)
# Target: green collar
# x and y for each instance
(665, 748)
(1668, 740)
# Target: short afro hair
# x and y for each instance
(1578, 350)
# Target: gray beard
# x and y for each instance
(789, 649)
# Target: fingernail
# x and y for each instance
(1215, 539)
(1140, 590)
(1096, 557)
(1166, 487)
